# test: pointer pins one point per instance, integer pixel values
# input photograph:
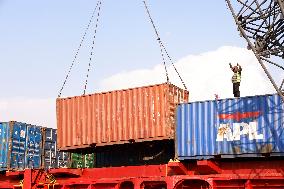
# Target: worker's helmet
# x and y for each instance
(235, 69)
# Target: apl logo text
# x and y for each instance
(234, 133)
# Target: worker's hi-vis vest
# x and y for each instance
(236, 78)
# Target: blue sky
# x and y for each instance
(39, 38)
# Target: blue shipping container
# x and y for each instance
(4, 144)
(33, 146)
(248, 126)
(52, 157)
(17, 151)
(20, 147)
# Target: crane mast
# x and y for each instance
(261, 24)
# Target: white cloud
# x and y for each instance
(205, 74)
(33, 111)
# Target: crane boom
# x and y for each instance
(261, 24)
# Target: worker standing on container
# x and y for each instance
(236, 79)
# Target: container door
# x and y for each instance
(38, 147)
(76, 160)
(18, 148)
(49, 155)
(33, 144)
(4, 145)
(50, 149)
(89, 160)
(62, 159)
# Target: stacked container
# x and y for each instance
(17, 149)
(33, 146)
(4, 145)
(52, 157)
(238, 127)
(21, 146)
(28, 146)
(49, 147)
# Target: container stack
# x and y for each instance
(145, 126)
(124, 127)
(26, 146)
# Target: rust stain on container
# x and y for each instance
(136, 114)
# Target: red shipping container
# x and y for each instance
(137, 114)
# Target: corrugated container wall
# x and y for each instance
(248, 126)
(52, 158)
(138, 114)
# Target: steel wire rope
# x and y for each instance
(92, 48)
(163, 48)
(78, 49)
(159, 41)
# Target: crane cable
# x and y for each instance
(161, 45)
(77, 51)
(159, 41)
(163, 48)
(92, 48)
